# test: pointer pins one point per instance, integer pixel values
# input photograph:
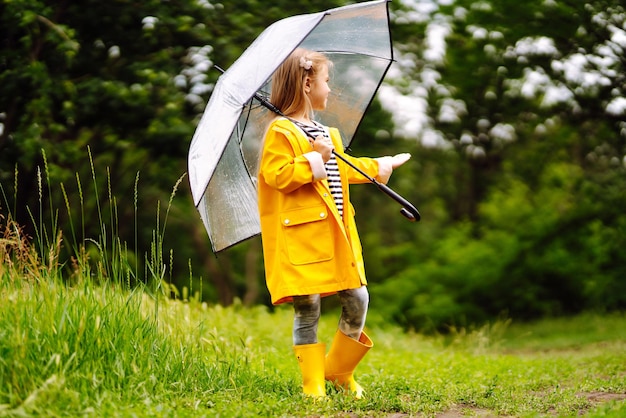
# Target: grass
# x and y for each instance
(104, 350)
(100, 343)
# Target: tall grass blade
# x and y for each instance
(103, 232)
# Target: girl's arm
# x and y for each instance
(378, 168)
(287, 162)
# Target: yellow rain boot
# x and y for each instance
(343, 357)
(311, 360)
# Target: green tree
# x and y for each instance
(128, 81)
(530, 97)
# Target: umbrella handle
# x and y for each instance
(408, 210)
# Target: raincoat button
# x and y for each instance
(322, 214)
(286, 221)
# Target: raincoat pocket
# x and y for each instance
(307, 234)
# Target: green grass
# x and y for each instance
(102, 350)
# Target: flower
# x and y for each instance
(306, 64)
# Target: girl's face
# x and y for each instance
(319, 89)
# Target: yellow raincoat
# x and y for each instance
(308, 248)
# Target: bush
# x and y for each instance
(533, 253)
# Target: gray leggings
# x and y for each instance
(307, 310)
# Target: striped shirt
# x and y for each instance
(332, 170)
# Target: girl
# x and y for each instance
(310, 242)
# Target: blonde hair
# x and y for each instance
(288, 81)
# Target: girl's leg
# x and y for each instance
(307, 311)
(354, 303)
(350, 343)
(310, 354)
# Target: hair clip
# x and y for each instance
(306, 64)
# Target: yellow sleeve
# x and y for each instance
(287, 161)
(378, 168)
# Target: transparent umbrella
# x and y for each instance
(225, 149)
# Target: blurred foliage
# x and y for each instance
(522, 202)
(526, 204)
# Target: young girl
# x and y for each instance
(310, 241)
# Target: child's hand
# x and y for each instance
(323, 146)
(399, 159)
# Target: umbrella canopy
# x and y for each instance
(225, 149)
